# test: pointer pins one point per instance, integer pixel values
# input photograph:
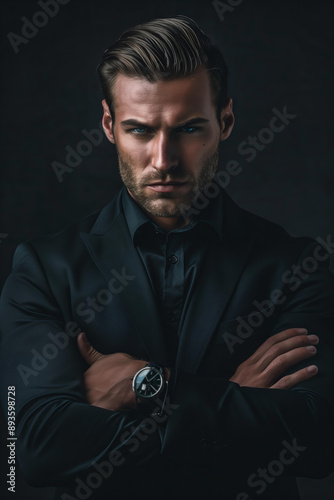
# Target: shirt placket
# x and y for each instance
(173, 283)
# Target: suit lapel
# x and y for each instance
(111, 248)
(216, 282)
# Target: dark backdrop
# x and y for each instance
(279, 54)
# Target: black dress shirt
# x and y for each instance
(172, 259)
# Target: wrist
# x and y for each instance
(167, 373)
(150, 384)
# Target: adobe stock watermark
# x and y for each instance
(293, 278)
(251, 147)
(74, 157)
(223, 7)
(254, 144)
(103, 298)
(268, 475)
(131, 440)
(58, 341)
(31, 27)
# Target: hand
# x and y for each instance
(108, 379)
(278, 353)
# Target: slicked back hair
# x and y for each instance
(161, 50)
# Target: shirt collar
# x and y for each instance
(211, 214)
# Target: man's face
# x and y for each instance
(167, 138)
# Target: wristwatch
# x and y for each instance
(149, 382)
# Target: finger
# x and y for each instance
(86, 349)
(282, 363)
(275, 339)
(286, 346)
(290, 381)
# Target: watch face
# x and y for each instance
(148, 382)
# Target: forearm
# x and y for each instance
(242, 425)
(60, 435)
(262, 422)
(60, 439)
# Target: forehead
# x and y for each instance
(174, 98)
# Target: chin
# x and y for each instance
(159, 208)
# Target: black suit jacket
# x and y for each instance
(218, 437)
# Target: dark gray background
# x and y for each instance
(279, 54)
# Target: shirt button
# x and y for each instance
(172, 259)
(171, 317)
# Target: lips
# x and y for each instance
(167, 186)
(172, 183)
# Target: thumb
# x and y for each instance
(86, 349)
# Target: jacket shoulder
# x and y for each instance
(67, 242)
(269, 236)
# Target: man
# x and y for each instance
(236, 400)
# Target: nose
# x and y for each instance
(164, 154)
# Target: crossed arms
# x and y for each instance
(108, 378)
(256, 409)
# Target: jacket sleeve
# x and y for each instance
(243, 425)
(59, 435)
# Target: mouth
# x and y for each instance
(167, 187)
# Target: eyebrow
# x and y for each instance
(192, 121)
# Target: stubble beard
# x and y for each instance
(155, 204)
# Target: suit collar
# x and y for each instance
(217, 281)
(211, 214)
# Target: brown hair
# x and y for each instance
(164, 49)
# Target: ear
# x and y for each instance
(107, 122)
(226, 120)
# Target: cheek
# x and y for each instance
(133, 153)
(198, 152)
(207, 143)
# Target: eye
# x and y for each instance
(137, 130)
(190, 129)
